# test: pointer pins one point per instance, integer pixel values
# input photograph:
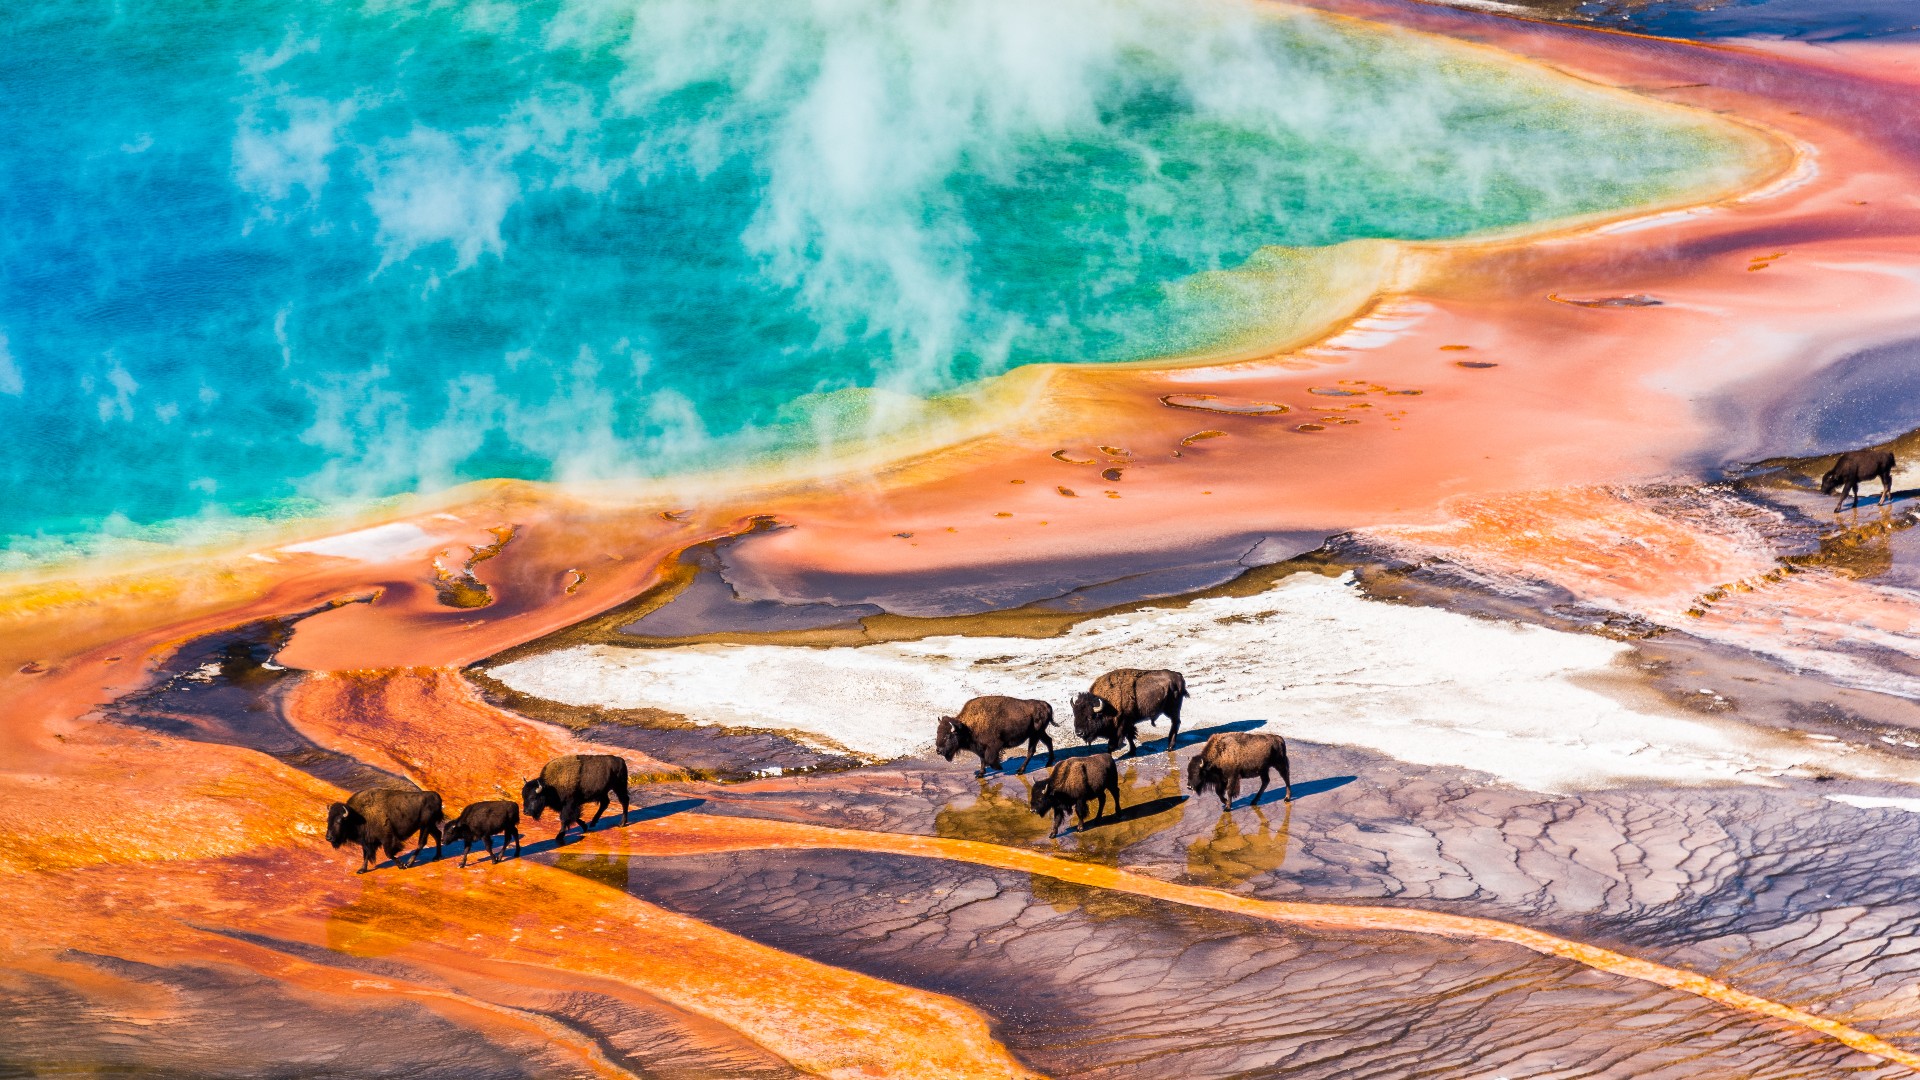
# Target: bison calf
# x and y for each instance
(1077, 783)
(1854, 467)
(481, 822)
(567, 784)
(385, 819)
(1233, 756)
(988, 726)
(1123, 699)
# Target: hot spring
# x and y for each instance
(264, 259)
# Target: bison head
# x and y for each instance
(950, 737)
(1831, 482)
(536, 796)
(457, 831)
(1201, 776)
(342, 824)
(1037, 802)
(1093, 716)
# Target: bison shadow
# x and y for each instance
(1135, 812)
(1303, 789)
(1187, 738)
(534, 847)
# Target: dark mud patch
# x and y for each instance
(1150, 990)
(225, 688)
(1020, 600)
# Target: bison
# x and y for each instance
(569, 783)
(481, 822)
(1120, 701)
(1077, 783)
(1854, 467)
(988, 726)
(385, 818)
(1233, 756)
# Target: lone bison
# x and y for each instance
(1122, 700)
(1854, 467)
(988, 726)
(385, 818)
(481, 822)
(567, 784)
(1077, 783)
(1233, 756)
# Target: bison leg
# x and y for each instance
(1286, 775)
(1173, 718)
(1232, 793)
(1032, 745)
(514, 835)
(1886, 487)
(1048, 739)
(606, 800)
(368, 849)
(1059, 819)
(626, 802)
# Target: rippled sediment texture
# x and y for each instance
(261, 257)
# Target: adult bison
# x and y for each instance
(988, 726)
(1233, 756)
(386, 818)
(1123, 699)
(1854, 467)
(1078, 783)
(568, 784)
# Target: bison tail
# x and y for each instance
(1046, 710)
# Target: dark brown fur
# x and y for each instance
(482, 821)
(568, 784)
(385, 819)
(1233, 756)
(1077, 783)
(990, 725)
(1122, 700)
(1854, 467)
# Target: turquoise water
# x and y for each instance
(260, 257)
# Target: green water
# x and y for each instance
(262, 258)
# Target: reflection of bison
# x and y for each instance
(1075, 784)
(1854, 467)
(989, 726)
(384, 819)
(1233, 756)
(568, 784)
(481, 822)
(1122, 700)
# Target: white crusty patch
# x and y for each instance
(1314, 657)
(382, 543)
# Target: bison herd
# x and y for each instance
(387, 819)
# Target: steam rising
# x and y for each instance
(586, 239)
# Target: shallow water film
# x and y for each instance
(262, 258)
(855, 539)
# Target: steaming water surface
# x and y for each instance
(259, 257)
